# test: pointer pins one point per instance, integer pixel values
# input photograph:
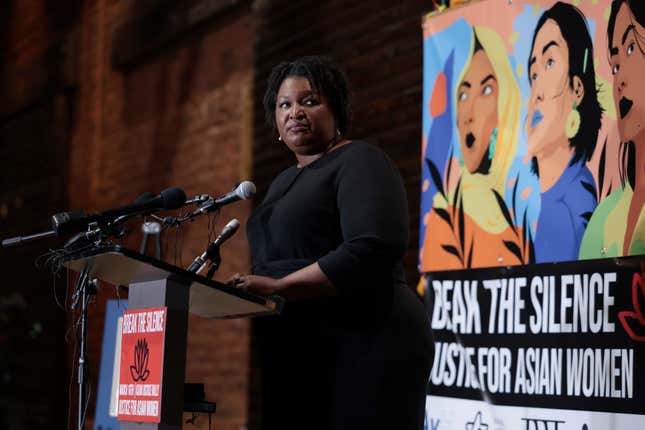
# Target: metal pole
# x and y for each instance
(82, 358)
(86, 288)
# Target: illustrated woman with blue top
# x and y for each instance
(562, 128)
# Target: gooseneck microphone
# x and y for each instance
(213, 249)
(72, 222)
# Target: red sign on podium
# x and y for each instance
(142, 344)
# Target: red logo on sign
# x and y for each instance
(139, 370)
(634, 321)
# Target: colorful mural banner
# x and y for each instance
(533, 153)
(545, 346)
(533, 133)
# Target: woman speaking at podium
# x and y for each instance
(352, 348)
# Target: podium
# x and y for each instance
(155, 284)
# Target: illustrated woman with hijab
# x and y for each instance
(617, 227)
(562, 128)
(466, 226)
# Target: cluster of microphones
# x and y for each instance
(87, 227)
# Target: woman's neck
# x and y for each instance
(305, 160)
(552, 163)
(638, 198)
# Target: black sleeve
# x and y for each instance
(374, 220)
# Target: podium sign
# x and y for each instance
(142, 355)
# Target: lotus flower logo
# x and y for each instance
(139, 370)
(634, 321)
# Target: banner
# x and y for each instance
(526, 344)
(533, 128)
(533, 154)
(141, 371)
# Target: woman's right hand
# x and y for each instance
(261, 285)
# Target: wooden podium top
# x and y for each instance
(208, 298)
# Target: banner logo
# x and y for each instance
(477, 423)
(634, 321)
(139, 370)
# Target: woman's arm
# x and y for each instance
(373, 213)
(308, 282)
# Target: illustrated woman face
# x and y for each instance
(477, 110)
(627, 66)
(552, 96)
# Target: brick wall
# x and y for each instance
(145, 113)
(107, 99)
(36, 114)
(172, 112)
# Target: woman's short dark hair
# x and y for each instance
(573, 26)
(324, 76)
(628, 149)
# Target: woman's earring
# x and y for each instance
(280, 138)
(338, 131)
(492, 143)
(573, 122)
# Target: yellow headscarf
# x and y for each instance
(479, 201)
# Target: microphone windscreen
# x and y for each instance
(173, 198)
(230, 228)
(245, 190)
(144, 197)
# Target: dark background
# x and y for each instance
(103, 100)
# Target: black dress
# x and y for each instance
(361, 359)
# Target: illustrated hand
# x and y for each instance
(261, 285)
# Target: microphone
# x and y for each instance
(22, 239)
(213, 249)
(71, 222)
(141, 199)
(243, 191)
(144, 197)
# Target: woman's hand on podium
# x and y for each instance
(306, 283)
(261, 285)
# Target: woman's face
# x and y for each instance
(627, 66)
(304, 119)
(551, 97)
(477, 110)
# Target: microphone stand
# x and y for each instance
(97, 232)
(85, 288)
